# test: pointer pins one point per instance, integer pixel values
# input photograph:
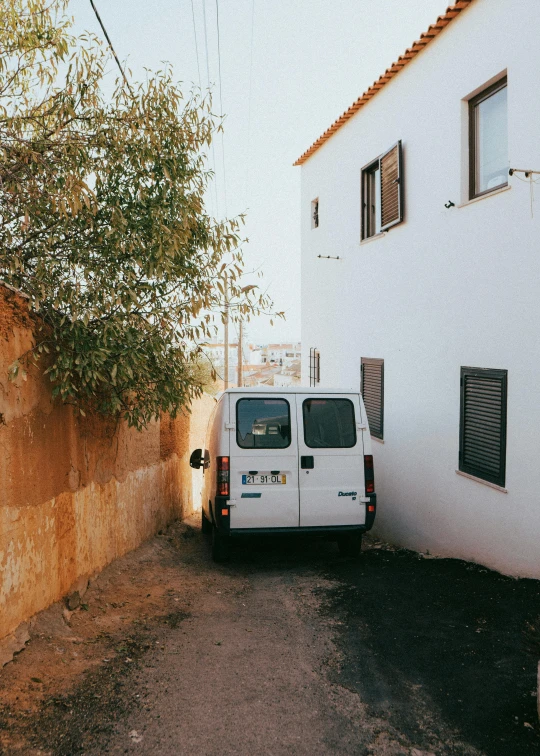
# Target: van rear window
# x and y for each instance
(263, 424)
(329, 423)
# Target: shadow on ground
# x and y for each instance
(465, 638)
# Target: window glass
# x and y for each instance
(263, 424)
(329, 423)
(372, 201)
(491, 143)
(315, 214)
(375, 201)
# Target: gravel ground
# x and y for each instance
(288, 648)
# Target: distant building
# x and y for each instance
(290, 375)
(260, 363)
(260, 375)
(281, 354)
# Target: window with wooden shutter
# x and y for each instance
(382, 192)
(372, 375)
(391, 190)
(482, 432)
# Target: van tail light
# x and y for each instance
(369, 476)
(223, 476)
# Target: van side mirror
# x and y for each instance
(196, 459)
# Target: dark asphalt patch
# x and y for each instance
(455, 633)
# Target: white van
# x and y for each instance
(287, 460)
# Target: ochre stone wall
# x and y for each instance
(76, 492)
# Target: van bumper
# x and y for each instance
(325, 530)
(222, 520)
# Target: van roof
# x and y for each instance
(288, 390)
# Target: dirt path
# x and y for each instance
(287, 649)
(246, 672)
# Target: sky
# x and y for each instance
(289, 68)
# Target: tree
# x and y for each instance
(103, 223)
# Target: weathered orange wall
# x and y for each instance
(75, 492)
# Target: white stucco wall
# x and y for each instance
(445, 289)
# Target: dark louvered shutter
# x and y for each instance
(373, 394)
(482, 437)
(391, 187)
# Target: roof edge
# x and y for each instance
(410, 53)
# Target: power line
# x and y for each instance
(200, 88)
(196, 45)
(206, 44)
(248, 151)
(221, 107)
(208, 79)
(111, 46)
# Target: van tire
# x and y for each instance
(220, 545)
(206, 525)
(350, 544)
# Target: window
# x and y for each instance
(382, 192)
(372, 200)
(263, 424)
(315, 213)
(372, 378)
(488, 140)
(314, 367)
(329, 423)
(482, 428)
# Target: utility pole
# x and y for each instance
(240, 366)
(226, 376)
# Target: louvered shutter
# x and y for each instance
(373, 394)
(482, 448)
(391, 187)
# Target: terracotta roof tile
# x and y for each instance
(425, 38)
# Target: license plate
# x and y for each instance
(264, 479)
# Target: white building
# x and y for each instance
(452, 281)
(289, 375)
(281, 354)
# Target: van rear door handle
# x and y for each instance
(307, 463)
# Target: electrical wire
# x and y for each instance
(208, 79)
(221, 108)
(111, 46)
(196, 45)
(248, 151)
(527, 180)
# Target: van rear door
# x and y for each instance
(331, 460)
(263, 461)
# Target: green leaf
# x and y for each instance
(104, 223)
